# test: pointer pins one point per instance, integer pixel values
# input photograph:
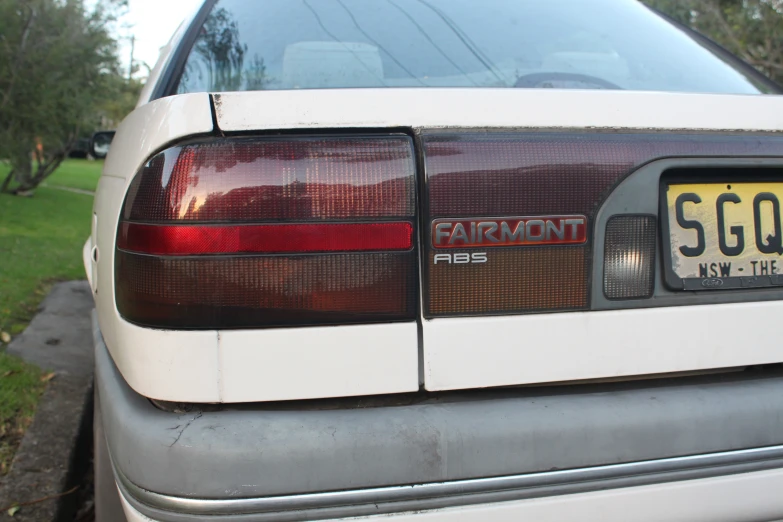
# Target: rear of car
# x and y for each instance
(438, 260)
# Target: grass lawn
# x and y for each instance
(79, 174)
(20, 387)
(41, 239)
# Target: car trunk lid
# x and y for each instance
(511, 184)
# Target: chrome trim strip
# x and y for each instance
(552, 482)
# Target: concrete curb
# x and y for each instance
(54, 453)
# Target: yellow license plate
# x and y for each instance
(724, 235)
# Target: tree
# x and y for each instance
(120, 97)
(751, 29)
(57, 64)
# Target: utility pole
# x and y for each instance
(130, 65)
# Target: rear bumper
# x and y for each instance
(735, 498)
(726, 492)
(467, 455)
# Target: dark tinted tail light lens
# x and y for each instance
(270, 232)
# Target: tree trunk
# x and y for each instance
(28, 180)
(43, 171)
(21, 172)
(7, 182)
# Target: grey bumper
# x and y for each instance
(262, 459)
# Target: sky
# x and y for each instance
(152, 22)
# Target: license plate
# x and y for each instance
(723, 235)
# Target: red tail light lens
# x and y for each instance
(268, 232)
(183, 240)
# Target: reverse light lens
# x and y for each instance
(629, 257)
(235, 233)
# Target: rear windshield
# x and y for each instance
(323, 44)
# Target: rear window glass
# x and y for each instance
(322, 44)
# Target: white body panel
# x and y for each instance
(507, 350)
(734, 498)
(330, 361)
(459, 108)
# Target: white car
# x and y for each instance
(427, 260)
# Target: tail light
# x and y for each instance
(268, 232)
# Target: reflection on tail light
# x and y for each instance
(270, 231)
